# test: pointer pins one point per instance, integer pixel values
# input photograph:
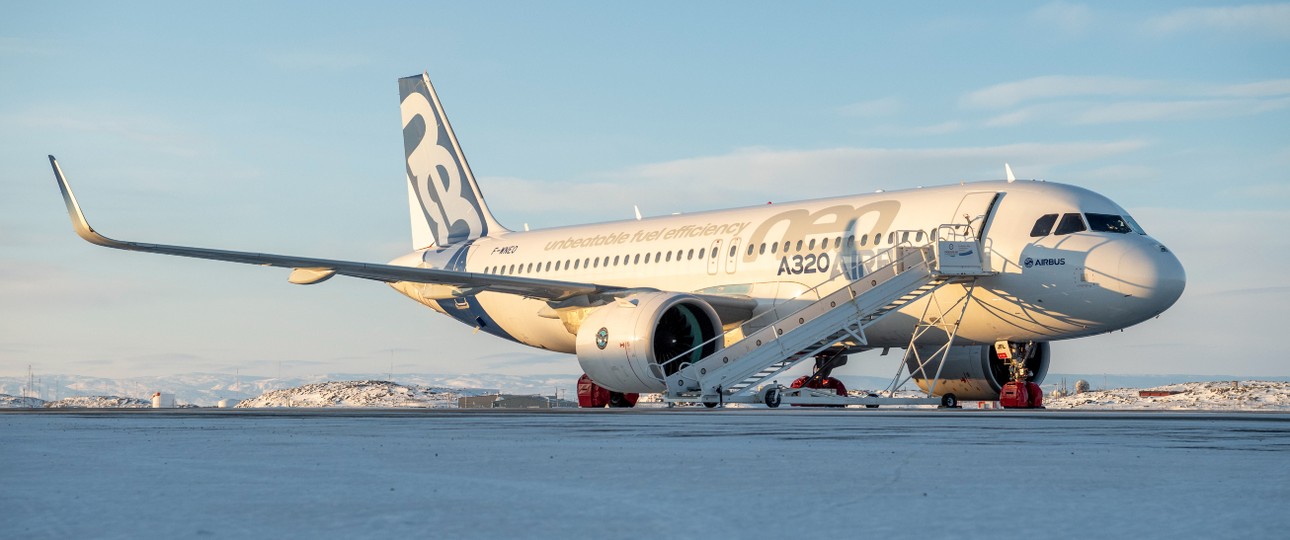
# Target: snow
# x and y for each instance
(1195, 396)
(99, 402)
(14, 402)
(207, 389)
(361, 394)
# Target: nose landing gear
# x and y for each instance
(1019, 392)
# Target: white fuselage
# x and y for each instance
(1045, 287)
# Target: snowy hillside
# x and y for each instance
(18, 402)
(361, 394)
(99, 402)
(1197, 396)
(207, 389)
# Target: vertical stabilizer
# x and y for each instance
(445, 202)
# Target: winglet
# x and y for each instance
(83, 228)
(1007, 171)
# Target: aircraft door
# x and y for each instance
(732, 256)
(714, 252)
(973, 212)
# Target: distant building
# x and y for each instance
(512, 401)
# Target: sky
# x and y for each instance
(274, 127)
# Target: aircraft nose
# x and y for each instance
(1149, 271)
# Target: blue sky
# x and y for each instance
(275, 127)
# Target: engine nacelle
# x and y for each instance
(632, 345)
(974, 372)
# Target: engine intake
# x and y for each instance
(633, 344)
(974, 372)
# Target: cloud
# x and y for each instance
(1074, 100)
(1141, 111)
(763, 175)
(157, 133)
(887, 106)
(1070, 19)
(1058, 86)
(1267, 20)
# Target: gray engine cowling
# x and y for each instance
(633, 344)
(974, 372)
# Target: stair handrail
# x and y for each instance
(924, 250)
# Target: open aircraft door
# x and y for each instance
(974, 213)
(972, 221)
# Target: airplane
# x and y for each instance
(1064, 262)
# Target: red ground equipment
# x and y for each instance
(822, 383)
(1021, 395)
(591, 395)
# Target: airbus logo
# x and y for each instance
(1030, 262)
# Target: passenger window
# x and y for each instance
(904, 237)
(636, 259)
(774, 246)
(689, 255)
(761, 250)
(891, 237)
(811, 245)
(669, 256)
(837, 242)
(1043, 225)
(864, 240)
(1108, 223)
(751, 247)
(799, 246)
(919, 237)
(1070, 223)
(647, 258)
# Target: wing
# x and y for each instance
(307, 270)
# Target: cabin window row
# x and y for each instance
(693, 254)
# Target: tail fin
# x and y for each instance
(445, 202)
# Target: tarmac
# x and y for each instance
(648, 472)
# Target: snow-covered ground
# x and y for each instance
(207, 389)
(362, 394)
(1199, 396)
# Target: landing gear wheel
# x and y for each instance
(710, 404)
(872, 405)
(773, 398)
(619, 401)
(950, 401)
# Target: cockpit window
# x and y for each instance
(1070, 223)
(1108, 223)
(1043, 225)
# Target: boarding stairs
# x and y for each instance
(775, 341)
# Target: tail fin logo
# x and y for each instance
(439, 179)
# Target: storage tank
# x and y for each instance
(228, 403)
(163, 401)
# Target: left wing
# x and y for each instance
(306, 270)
